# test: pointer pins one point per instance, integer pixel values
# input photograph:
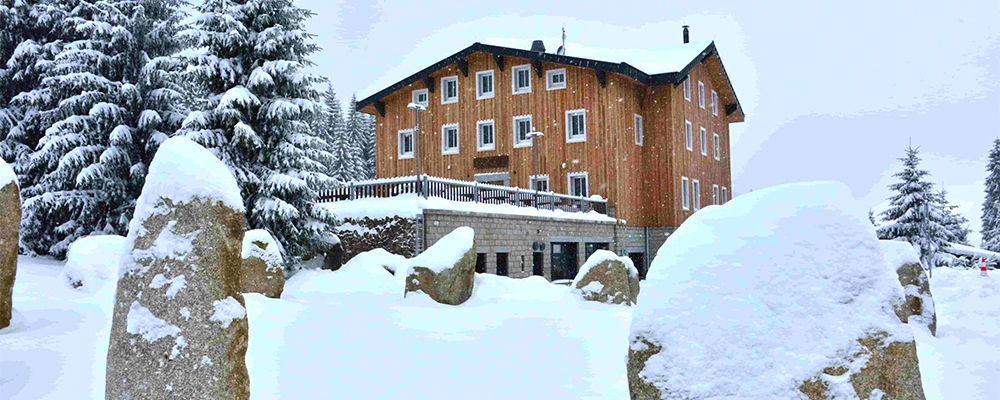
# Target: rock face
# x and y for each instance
(607, 278)
(795, 303)
(263, 269)
(179, 328)
(334, 258)
(10, 224)
(918, 306)
(446, 271)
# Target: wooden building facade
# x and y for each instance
(609, 129)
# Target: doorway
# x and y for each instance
(564, 260)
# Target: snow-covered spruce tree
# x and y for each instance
(330, 126)
(347, 165)
(114, 104)
(33, 33)
(249, 64)
(366, 141)
(991, 204)
(913, 214)
(955, 225)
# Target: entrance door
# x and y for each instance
(537, 259)
(564, 263)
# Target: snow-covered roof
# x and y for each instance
(673, 63)
(411, 205)
(963, 250)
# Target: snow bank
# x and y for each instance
(92, 262)
(411, 205)
(271, 255)
(182, 171)
(898, 253)
(363, 274)
(495, 288)
(7, 174)
(446, 252)
(752, 298)
(963, 250)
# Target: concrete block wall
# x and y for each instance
(514, 235)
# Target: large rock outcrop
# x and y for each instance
(607, 278)
(10, 224)
(918, 306)
(263, 269)
(179, 328)
(782, 293)
(446, 271)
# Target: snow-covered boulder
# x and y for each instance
(778, 294)
(607, 278)
(364, 274)
(391, 263)
(92, 262)
(179, 328)
(10, 223)
(446, 271)
(333, 257)
(919, 303)
(263, 269)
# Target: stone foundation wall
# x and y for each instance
(395, 234)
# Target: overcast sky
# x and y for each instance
(832, 91)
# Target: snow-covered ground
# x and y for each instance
(963, 362)
(359, 340)
(349, 335)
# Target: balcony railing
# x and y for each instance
(463, 191)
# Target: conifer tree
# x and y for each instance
(955, 225)
(330, 125)
(109, 104)
(258, 100)
(991, 204)
(913, 214)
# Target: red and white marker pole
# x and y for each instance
(982, 266)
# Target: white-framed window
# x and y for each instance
(715, 195)
(539, 183)
(576, 126)
(486, 138)
(405, 145)
(725, 195)
(521, 78)
(688, 136)
(449, 89)
(522, 127)
(701, 94)
(578, 184)
(685, 193)
(420, 96)
(637, 127)
(696, 194)
(687, 88)
(449, 139)
(484, 85)
(715, 103)
(703, 138)
(718, 146)
(555, 79)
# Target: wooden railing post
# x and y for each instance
(475, 192)
(351, 190)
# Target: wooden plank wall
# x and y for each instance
(639, 180)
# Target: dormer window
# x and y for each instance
(555, 79)
(420, 96)
(449, 90)
(522, 79)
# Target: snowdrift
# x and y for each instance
(92, 262)
(753, 298)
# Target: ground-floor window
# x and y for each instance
(564, 260)
(639, 260)
(591, 248)
(537, 263)
(480, 263)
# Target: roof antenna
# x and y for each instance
(562, 49)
